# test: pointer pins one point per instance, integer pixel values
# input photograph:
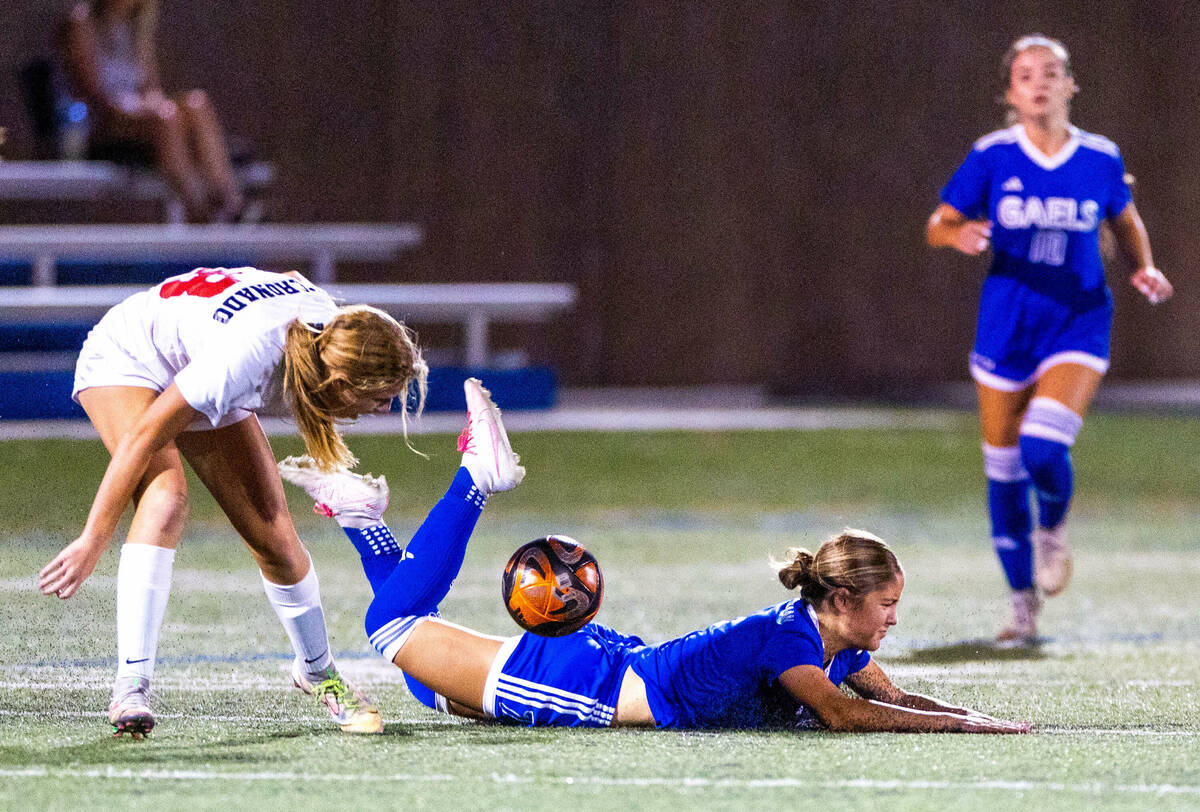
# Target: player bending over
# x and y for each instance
(776, 667)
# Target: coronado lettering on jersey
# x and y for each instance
(252, 293)
(1066, 213)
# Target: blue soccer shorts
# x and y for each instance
(1022, 333)
(569, 681)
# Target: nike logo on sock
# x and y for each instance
(135, 662)
(314, 659)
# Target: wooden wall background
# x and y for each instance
(738, 189)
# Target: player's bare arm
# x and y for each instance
(845, 714)
(872, 683)
(162, 422)
(1134, 241)
(948, 227)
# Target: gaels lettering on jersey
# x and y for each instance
(1066, 213)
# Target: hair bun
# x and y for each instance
(798, 572)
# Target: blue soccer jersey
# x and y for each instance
(1045, 296)
(728, 674)
(724, 676)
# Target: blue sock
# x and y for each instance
(1049, 466)
(378, 551)
(422, 574)
(1008, 506)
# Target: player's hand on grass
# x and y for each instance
(67, 571)
(1152, 284)
(973, 237)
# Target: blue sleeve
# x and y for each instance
(789, 648)
(967, 190)
(1119, 194)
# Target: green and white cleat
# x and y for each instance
(347, 704)
(129, 712)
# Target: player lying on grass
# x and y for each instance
(772, 668)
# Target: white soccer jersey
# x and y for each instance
(217, 333)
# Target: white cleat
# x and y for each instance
(487, 453)
(347, 704)
(353, 499)
(1022, 628)
(129, 711)
(1052, 559)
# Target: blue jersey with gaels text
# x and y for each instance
(1044, 210)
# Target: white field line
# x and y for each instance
(683, 782)
(440, 719)
(43, 714)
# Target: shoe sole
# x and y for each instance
(138, 725)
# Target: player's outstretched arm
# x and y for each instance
(948, 226)
(842, 713)
(166, 417)
(872, 683)
(1134, 241)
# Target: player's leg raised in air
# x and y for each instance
(409, 583)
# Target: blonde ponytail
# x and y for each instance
(360, 352)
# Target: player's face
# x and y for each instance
(867, 624)
(1039, 85)
(355, 405)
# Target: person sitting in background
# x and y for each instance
(108, 53)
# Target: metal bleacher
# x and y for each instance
(42, 321)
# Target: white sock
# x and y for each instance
(299, 609)
(143, 586)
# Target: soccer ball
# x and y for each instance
(552, 586)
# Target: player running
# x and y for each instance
(179, 371)
(1035, 193)
(778, 667)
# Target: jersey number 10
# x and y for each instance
(1048, 247)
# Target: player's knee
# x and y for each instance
(1047, 419)
(165, 503)
(1047, 433)
(1003, 464)
(388, 627)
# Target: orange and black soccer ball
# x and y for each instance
(552, 586)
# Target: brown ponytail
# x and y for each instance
(854, 560)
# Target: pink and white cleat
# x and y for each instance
(355, 500)
(487, 453)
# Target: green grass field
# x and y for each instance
(683, 525)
